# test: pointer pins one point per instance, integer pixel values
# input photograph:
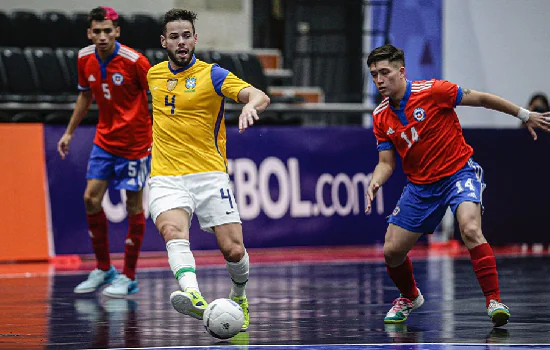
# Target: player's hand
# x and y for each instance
(371, 193)
(63, 145)
(538, 121)
(247, 117)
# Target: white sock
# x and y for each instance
(239, 275)
(182, 263)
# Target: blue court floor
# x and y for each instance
(314, 306)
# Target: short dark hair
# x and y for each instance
(178, 15)
(540, 96)
(99, 14)
(386, 52)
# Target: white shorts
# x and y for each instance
(206, 194)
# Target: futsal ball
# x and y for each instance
(223, 318)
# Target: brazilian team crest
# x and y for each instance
(171, 84)
(190, 83)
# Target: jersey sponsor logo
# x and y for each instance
(91, 77)
(472, 195)
(171, 84)
(419, 114)
(118, 79)
(390, 131)
(190, 83)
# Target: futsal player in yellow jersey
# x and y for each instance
(189, 163)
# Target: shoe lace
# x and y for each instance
(120, 279)
(494, 304)
(96, 274)
(400, 303)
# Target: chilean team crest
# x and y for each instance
(190, 83)
(118, 79)
(171, 84)
(419, 114)
(396, 211)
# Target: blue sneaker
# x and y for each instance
(96, 279)
(121, 287)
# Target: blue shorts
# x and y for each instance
(421, 207)
(125, 174)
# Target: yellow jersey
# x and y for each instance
(188, 117)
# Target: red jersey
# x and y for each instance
(425, 130)
(119, 86)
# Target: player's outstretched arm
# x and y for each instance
(81, 107)
(381, 174)
(256, 102)
(532, 120)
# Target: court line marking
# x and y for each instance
(329, 346)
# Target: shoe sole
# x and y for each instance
(395, 321)
(120, 296)
(84, 291)
(182, 304)
(500, 318)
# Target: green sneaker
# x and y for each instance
(498, 312)
(240, 339)
(402, 308)
(189, 303)
(243, 302)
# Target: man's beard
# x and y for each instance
(179, 61)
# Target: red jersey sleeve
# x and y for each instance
(142, 67)
(446, 94)
(383, 142)
(83, 84)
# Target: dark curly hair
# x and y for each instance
(178, 15)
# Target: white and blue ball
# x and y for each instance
(223, 318)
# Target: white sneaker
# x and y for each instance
(498, 312)
(402, 308)
(96, 279)
(121, 287)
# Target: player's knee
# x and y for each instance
(471, 232)
(92, 203)
(234, 253)
(170, 231)
(393, 255)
